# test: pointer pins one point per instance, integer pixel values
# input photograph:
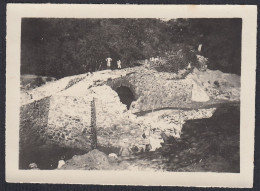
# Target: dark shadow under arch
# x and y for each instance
(126, 95)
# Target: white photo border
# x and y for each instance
(248, 13)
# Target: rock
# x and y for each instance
(169, 123)
(198, 94)
(124, 165)
(33, 166)
(113, 156)
(155, 142)
(124, 151)
(61, 163)
(235, 92)
(94, 159)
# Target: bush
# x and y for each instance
(48, 79)
(202, 62)
(38, 81)
(177, 59)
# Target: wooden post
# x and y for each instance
(93, 125)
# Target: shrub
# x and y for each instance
(48, 79)
(177, 59)
(202, 62)
(38, 81)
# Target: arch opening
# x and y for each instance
(126, 95)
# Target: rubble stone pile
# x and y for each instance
(217, 85)
(171, 122)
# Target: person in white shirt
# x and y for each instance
(109, 60)
(189, 66)
(119, 64)
(200, 47)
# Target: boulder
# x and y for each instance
(198, 94)
(93, 160)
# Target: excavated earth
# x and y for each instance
(170, 121)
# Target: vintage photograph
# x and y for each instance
(126, 95)
(130, 94)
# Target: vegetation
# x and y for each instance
(63, 47)
(38, 81)
(177, 59)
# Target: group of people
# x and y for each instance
(155, 59)
(109, 60)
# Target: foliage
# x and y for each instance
(38, 82)
(202, 62)
(177, 59)
(48, 79)
(63, 47)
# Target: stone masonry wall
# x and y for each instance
(155, 90)
(69, 121)
(113, 124)
(70, 118)
(33, 123)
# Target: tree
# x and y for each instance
(63, 47)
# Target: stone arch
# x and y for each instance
(115, 83)
(126, 95)
(124, 89)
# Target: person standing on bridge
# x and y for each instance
(119, 64)
(109, 60)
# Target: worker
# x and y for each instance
(109, 60)
(119, 64)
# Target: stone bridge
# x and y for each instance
(59, 112)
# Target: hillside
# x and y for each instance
(29, 81)
(66, 47)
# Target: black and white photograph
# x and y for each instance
(124, 94)
(130, 94)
